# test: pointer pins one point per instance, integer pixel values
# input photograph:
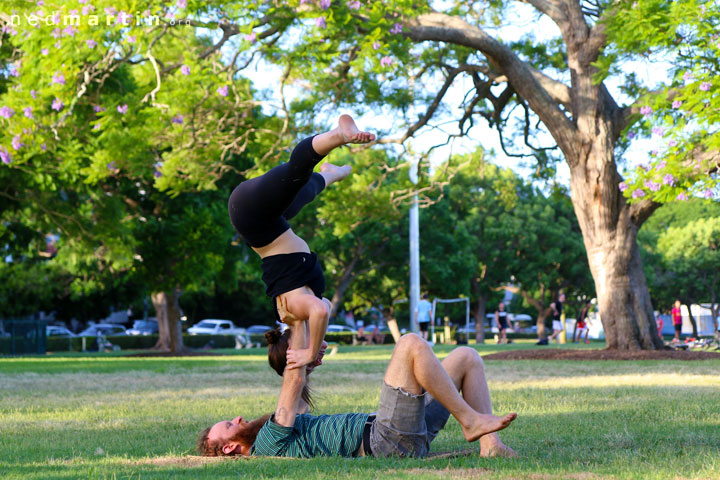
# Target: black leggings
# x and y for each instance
(260, 207)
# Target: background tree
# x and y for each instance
(388, 55)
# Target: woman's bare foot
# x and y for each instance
(492, 446)
(485, 424)
(346, 132)
(333, 173)
(351, 133)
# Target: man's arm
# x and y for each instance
(289, 403)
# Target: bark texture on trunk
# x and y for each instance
(586, 123)
(389, 313)
(479, 314)
(167, 310)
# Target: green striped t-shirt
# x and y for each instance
(312, 436)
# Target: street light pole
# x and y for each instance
(414, 252)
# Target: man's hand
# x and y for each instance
(318, 360)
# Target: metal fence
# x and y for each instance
(22, 336)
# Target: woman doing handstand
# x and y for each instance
(259, 211)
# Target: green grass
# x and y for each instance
(106, 416)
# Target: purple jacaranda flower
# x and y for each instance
(33, 93)
(87, 9)
(646, 110)
(6, 112)
(672, 143)
(179, 119)
(56, 33)
(158, 166)
(91, 43)
(660, 131)
(57, 104)
(354, 5)
(320, 22)
(676, 104)
(687, 76)
(157, 174)
(110, 10)
(223, 91)
(185, 70)
(131, 39)
(386, 61)
(69, 31)
(652, 186)
(16, 143)
(661, 165)
(98, 109)
(58, 45)
(703, 9)
(705, 86)
(82, 2)
(668, 179)
(654, 152)
(112, 166)
(40, 3)
(623, 186)
(13, 71)
(96, 126)
(303, 2)
(181, 3)
(122, 109)
(376, 45)
(682, 196)
(638, 193)
(170, 16)
(74, 12)
(631, 134)
(396, 28)
(5, 156)
(56, 19)
(708, 194)
(28, 112)
(43, 147)
(58, 78)
(325, 4)
(44, 51)
(250, 37)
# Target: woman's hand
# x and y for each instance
(318, 360)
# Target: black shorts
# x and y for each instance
(423, 326)
(678, 328)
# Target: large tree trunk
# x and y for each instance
(167, 310)
(693, 323)
(479, 312)
(609, 233)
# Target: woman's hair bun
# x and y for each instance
(272, 336)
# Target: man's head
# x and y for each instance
(501, 306)
(561, 298)
(230, 437)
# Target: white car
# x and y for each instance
(54, 331)
(212, 326)
(340, 328)
(106, 329)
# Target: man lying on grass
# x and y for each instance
(417, 397)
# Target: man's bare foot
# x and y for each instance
(299, 358)
(351, 133)
(492, 446)
(485, 424)
(333, 173)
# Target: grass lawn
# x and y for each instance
(106, 416)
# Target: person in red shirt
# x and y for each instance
(677, 321)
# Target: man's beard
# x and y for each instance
(247, 435)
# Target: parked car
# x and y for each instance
(214, 326)
(105, 329)
(258, 329)
(54, 331)
(340, 328)
(143, 327)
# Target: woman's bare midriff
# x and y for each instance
(287, 242)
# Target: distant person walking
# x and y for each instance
(557, 307)
(581, 325)
(501, 322)
(677, 321)
(423, 315)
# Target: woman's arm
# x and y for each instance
(289, 402)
